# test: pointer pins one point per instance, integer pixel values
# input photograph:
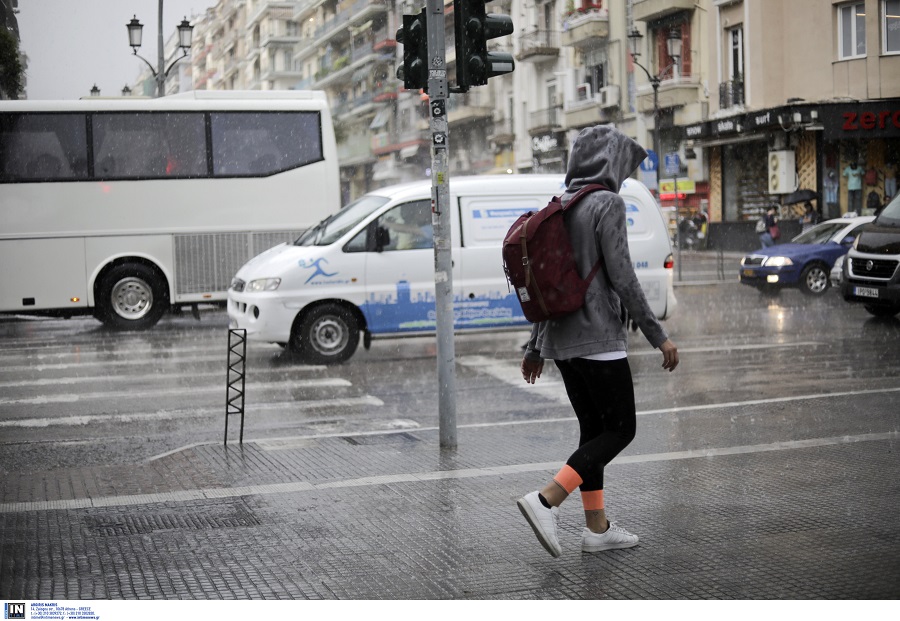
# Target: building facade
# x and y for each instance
(805, 89)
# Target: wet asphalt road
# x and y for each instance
(74, 394)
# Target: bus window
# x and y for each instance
(143, 145)
(42, 147)
(264, 143)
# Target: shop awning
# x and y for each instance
(408, 152)
(381, 119)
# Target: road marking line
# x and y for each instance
(250, 387)
(191, 413)
(419, 477)
(85, 379)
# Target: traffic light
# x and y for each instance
(473, 29)
(414, 37)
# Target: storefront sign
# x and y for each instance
(685, 186)
(863, 120)
(726, 126)
(695, 132)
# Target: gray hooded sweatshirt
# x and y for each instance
(596, 224)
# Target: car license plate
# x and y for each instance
(749, 273)
(865, 292)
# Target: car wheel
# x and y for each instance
(131, 296)
(328, 334)
(814, 279)
(882, 311)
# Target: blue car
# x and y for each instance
(806, 261)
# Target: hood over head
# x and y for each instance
(602, 154)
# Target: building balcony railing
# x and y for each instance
(731, 94)
(675, 93)
(539, 46)
(544, 120)
(504, 133)
(585, 29)
(269, 8)
(472, 106)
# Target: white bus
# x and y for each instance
(126, 208)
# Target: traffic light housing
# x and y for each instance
(414, 37)
(473, 28)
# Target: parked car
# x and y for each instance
(871, 274)
(363, 273)
(806, 261)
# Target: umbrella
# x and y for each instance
(800, 196)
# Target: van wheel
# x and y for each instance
(131, 296)
(327, 335)
(814, 279)
(882, 311)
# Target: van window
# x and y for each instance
(409, 225)
(337, 225)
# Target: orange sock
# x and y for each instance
(568, 479)
(593, 500)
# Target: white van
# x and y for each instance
(369, 269)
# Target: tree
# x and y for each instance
(11, 70)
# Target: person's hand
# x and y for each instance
(670, 355)
(531, 370)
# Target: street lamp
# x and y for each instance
(95, 91)
(126, 91)
(135, 34)
(673, 46)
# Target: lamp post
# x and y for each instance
(673, 46)
(95, 91)
(126, 91)
(135, 34)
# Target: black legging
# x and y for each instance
(602, 394)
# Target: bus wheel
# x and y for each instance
(131, 296)
(327, 335)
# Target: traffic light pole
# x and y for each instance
(438, 91)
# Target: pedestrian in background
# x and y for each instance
(589, 345)
(769, 227)
(809, 218)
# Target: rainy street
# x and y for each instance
(784, 415)
(76, 394)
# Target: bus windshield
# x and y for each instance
(334, 227)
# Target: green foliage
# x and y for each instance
(11, 70)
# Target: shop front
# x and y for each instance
(860, 155)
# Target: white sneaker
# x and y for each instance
(543, 521)
(613, 539)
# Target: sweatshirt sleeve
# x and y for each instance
(612, 234)
(533, 348)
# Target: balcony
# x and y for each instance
(677, 93)
(731, 94)
(269, 8)
(470, 107)
(588, 109)
(651, 10)
(539, 46)
(542, 121)
(504, 133)
(585, 29)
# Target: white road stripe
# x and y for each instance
(184, 390)
(249, 409)
(89, 379)
(145, 363)
(420, 477)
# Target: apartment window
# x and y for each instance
(736, 57)
(852, 30)
(890, 25)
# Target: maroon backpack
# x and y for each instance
(540, 264)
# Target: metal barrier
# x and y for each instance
(236, 378)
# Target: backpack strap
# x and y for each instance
(593, 187)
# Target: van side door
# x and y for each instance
(487, 299)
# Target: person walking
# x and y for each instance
(589, 345)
